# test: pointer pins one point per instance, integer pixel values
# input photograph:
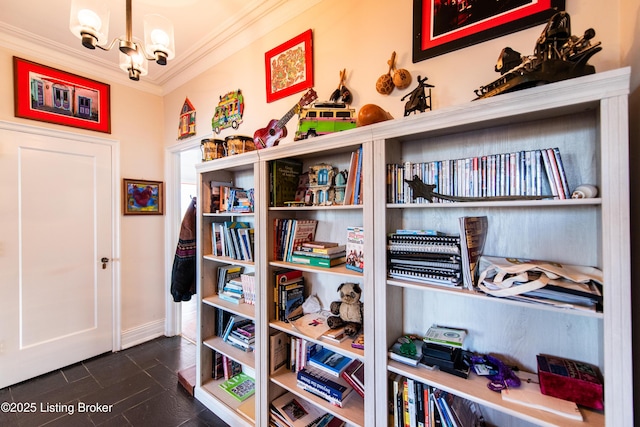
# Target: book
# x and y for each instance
(313, 325)
(319, 245)
(528, 394)
(302, 230)
(330, 362)
(296, 412)
(285, 174)
(336, 335)
(240, 386)
(335, 387)
(322, 251)
(407, 349)
(473, 234)
(317, 261)
(358, 181)
(278, 352)
(291, 300)
(355, 248)
(568, 379)
(452, 337)
(334, 255)
(227, 273)
(358, 341)
(354, 376)
(351, 179)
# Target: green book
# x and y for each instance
(317, 262)
(285, 175)
(240, 386)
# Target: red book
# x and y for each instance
(354, 375)
(571, 380)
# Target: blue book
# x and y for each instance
(330, 362)
(336, 388)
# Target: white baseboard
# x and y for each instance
(142, 333)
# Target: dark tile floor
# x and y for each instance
(135, 387)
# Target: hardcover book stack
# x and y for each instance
(322, 376)
(522, 173)
(230, 283)
(354, 375)
(240, 333)
(319, 254)
(425, 256)
(289, 294)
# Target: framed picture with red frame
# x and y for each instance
(441, 26)
(49, 95)
(289, 67)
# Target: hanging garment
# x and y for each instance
(183, 274)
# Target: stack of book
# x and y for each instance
(240, 333)
(288, 294)
(354, 375)
(291, 411)
(230, 284)
(330, 362)
(227, 198)
(442, 347)
(319, 254)
(425, 256)
(301, 351)
(326, 386)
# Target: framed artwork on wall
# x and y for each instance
(441, 26)
(45, 94)
(289, 67)
(141, 197)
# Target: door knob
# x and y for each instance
(104, 262)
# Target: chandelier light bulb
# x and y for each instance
(89, 20)
(159, 37)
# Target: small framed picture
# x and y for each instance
(48, 95)
(289, 67)
(141, 197)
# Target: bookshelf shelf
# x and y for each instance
(475, 388)
(352, 411)
(586, 118)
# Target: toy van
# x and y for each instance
(323, 118)
(229, 111)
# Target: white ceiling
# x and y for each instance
(206, 32)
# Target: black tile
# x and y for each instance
(163, 375)
(171, 408)
(178, 359)
(117, 421)
(112, 369)
(144, 355)
(208, 418)
(75, 372)
(31, 389)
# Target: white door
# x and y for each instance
(56, 300)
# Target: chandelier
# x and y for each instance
(89, 22)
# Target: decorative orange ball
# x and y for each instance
(401, 78)
(371, 113)
(384, 85)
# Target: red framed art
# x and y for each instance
(441, 26)
(48, 95)
(289, 67)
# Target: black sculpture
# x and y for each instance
(418, 99)
(558, 56)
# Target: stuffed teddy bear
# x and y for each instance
(348, 311)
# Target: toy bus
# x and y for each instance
(323, 118)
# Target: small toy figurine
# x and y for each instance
(418, 99)
(348, 311)
(321, 183)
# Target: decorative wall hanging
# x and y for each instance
(289, 67)
(187, 125)
(140, 197)
(48, 95)
(441, 26)
(228, 112)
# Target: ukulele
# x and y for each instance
(270, 136)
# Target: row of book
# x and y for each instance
(289, 294)
(289, 410)
(224, 367)
(523, 173)
(353, 190)
(415, 404)
(234, 239)
(227, 198)
(290, 233)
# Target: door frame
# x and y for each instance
(115, 203)
(173, 310)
